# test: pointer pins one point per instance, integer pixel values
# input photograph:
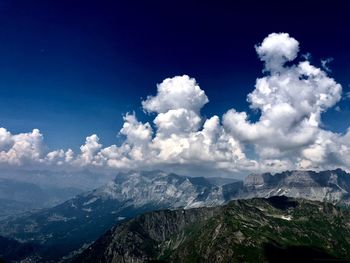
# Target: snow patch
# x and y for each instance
(284, 217)
(288, 218)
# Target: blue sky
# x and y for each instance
(74, 68)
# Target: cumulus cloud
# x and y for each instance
(290, 97)
(276, 50)
(180, 92)
(179, 121)
(291, 103)
(22, 148)
(291, 100)
(135, 131)
(89, 149)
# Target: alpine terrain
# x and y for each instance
(278, 229)
(68, 228)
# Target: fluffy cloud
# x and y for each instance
(135, 131)
(290, 98)
(181, 92)
(179, 121)
(276, 50)
(89, 150)
(22, 148)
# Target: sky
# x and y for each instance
(76, 69)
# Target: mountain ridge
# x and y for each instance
(81, 220)
(331, 185)
(77, 222)
(252, 230)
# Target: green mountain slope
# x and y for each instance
(255, 230)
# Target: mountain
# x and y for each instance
(332, 186)
(25, 190)
(18, 197)
(81, 179)
(67, 228)
(77, 222)
(278, 229)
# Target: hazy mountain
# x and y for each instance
(81, 179)
(17, 197)
(23, 190)
(278, 229)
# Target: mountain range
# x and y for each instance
(65, 230)
(332, 186)
(79, 221)
(278, 229)
(26, 190)
(17, 197)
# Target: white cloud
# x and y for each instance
(181, 92)
(135, 131)
(276, 50)
(179, 121)
(22, 148)
(290, 98)
(89, 150)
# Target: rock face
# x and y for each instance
(169, 190)
(332, 186)
(256, 230)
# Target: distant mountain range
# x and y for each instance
(332, 186)
(25, 190)
(278, 229)
(79, 221)
(18, 197)
(68, 228)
